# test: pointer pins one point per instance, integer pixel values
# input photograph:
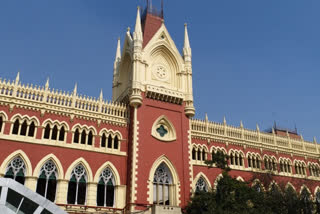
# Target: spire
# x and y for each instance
(18, 78)
(118, 53)
(47, 83)
(207, 117)
(101, 95)
(138, 28)
(224, 120)
(186, 46)
(257, 127)
(241, 124)
(75, 89)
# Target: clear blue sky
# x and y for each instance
(255, 61)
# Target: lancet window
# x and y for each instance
(1, 123)
(314, 169)
(236, 158)
(110, 141)
(16, 170)
(201, 185)
(305, 199)
(77, 186)
(254, 161)
(55, 132)
(300, 167)
(162, 185)
(199, 153)
(270, 163)
(83, 136)
(285, 165)
(47, 181)
(106, 189)
(24, 128)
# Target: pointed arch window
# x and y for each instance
(305, 199)
(16, 125)
(110, 142)
(61, 134)
(77, 186)
(103, 140)
(76, 136)
(47, 132)
(16, 170)
(47, 181)
(32, 128)
(24, 127)
(116, 142)
(90, 138)
(162, 185)
(1, 123)
(54, 133)
(201, 185)
(106, 189)
(83, 137)
(194, 154)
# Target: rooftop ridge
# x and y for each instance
(24, 93)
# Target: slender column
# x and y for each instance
(92, 194)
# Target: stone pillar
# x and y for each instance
(62, 191)
(92, 194)
(31, 182)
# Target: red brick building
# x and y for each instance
(142, 150)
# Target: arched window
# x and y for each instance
(199, 154)
(203, 155)
(83, 137)
(116, 142)
(194, 154)
(257, 187)
(61, 134)
(24, 127)
(106, 187)
(318, 201)
(47, 181)
(47, 132)
(77, 186)
(16, 125)
(201, 185)
(16, 170)
(103, 140)
(162, 181)
(90, 138)
(32, 128)
(1, 122)
(249, 161)
(54, 133)
(109, 141)
(305, 199)
(76, 136)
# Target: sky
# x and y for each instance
(253, 60)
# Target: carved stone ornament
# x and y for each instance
(163, 130)
(161, 73)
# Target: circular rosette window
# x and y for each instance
(161, 73)
(163, 130)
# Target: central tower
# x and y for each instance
(155, 80)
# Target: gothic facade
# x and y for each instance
(142, 150)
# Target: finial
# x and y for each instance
(75, 89)
(241, 124)
(18, 77)
(257, 126)
(101, 95)
(207, 117)
(118, 53)
(138, 28)
(300, 136)
(47, 83)
(186, 45)
(128, 29)
(224, 120)
(314, 140)
(273, 131)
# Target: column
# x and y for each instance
(92, 194)
(62, 191)
(31, 182)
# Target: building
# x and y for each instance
(142, 150)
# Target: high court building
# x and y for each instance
(142, 150)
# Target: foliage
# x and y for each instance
(233, 196)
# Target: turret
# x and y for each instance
(186, 46)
